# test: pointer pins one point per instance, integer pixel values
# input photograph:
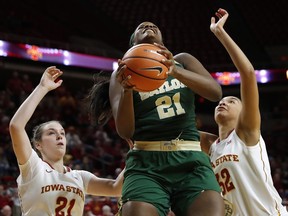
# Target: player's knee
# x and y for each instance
(207, 203)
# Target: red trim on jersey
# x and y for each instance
(65, 168)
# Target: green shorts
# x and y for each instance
(167, 179)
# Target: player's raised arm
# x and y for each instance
(20, 140)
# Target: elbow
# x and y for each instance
(249, 72)
(16, 125)
(216, 94)
(125, 134)
(13, 126)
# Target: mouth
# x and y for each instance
(149, 30)
(60, 144)
(221, 108)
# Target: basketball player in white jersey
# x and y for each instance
(46, 186)
(239, 157)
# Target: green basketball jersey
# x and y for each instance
(166, 113)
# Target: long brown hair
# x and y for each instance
(97, 101)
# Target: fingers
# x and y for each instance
(169, 61)
(212, 20)
(120, 70)
(164, 51)
(50, 78)
(125, 81)
(120, 63)
(126, 84)
(122, 78)
(221, 12)
(53, 71)
(56, 73)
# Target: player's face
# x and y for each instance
(229, 107)
(147, 32)
(53, 140)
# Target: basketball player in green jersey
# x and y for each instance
(166, 166)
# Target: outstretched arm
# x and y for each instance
(20, 140)
(196, 77)
(248, 127)
(106, 187)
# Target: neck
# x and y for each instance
(58, 166)
(224, 132)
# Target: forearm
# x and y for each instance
(119, 183)
(106, 187)
(249, 120)
(125, 115)
(28, 107)
(239, 59)
(204, 86)
(249, 89)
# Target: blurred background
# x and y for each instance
(95, 33)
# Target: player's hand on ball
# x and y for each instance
(145, 70)
(169, 62)
(122, 79)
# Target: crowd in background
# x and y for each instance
(99, 149)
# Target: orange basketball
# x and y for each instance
(145, 67)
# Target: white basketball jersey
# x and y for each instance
(244, 175)
(43, 191)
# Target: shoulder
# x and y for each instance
(249, 137)
(33, 167)
(33, 160)
(85, 175)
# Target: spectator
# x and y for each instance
(6, 210)
(106, 211)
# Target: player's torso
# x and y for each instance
(244, 176)
(165, 113)
(53, 192)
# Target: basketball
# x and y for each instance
(145, 67)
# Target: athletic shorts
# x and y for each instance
(167, 179)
